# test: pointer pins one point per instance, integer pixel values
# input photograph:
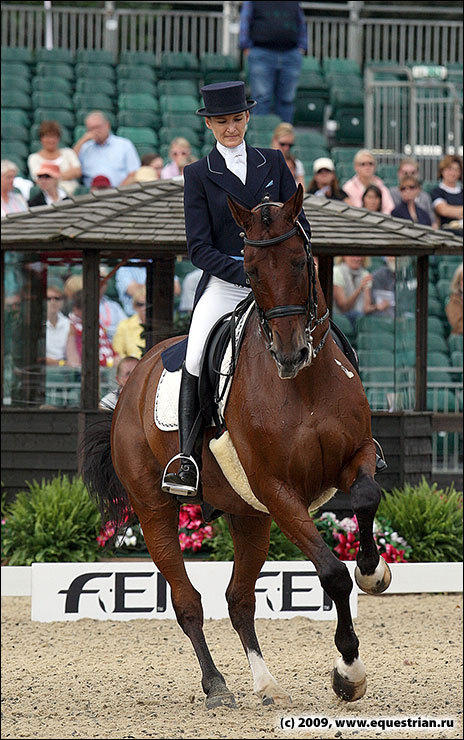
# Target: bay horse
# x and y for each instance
(300, 423)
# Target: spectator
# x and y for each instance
(72, 285)
(124, 369)
(12, 202)
(128, 336)
(57, 326)
(180, 149)
(51, 153)
(283, 138)
(111, 312)
(454, 305)
(447, 197)
(154, 160)
(99, 182)
(273, 39)
(380, 296)
(364, 166)
(102, 153)
(325, 182)
(372, 199)
(409, 166)
(128, 279)
(48, 179)
(350, 281)
(74, 343)
(408, 208)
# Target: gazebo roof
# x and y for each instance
(147, 216)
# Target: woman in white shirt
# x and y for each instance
(66, 159)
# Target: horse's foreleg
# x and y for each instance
(372, 573)
(349, 675)
(251, 542)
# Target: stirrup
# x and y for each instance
(181, 489)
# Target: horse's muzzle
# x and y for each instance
(288, 366)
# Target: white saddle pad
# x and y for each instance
(167, 393)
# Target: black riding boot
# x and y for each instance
(186, 482)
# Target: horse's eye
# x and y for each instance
(298, 266)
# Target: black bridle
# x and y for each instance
(309, 308)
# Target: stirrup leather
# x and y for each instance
(180, 489)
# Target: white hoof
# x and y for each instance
(264, 683)
(376, 583)
(349, 680)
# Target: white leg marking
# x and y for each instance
(370, 582)
(354, 673)
(264, 683)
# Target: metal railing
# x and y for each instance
(333, 30)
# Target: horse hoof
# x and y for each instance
(376, 583)
(349, 681)
(222, 699)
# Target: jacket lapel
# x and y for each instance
(218, 173)
(258, 169)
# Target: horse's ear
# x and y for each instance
(292, 208)
(241, 214)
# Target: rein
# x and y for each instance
(309, 309)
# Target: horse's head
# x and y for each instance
(281, 271)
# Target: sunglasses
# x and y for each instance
(183, 154)
(54, 298)
(285, 143)
(41, 177)
(408, 187)
(139, 305)
(366, 164)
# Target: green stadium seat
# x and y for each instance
(139, 135)
(94, 56)
(344, 324)
(343, 154)
(15, 148)
(138, 101)
(374, 324)
(310, 107)
(57, 84)
(436, 343)
(258, 138)
(442, 400)
(435, 325)
(20, 162)
(455, 343)
(143, 149)
(147, 58)
(84, 69)
(166, 135)
(95, 101)
(15, 116)
(135, 72)
(51, 99)
(388, 173)
(11, 82)
(186, 118)
(15, 99)
(55, 55)
(85, 85)
(446, 269)
(437, 359)
(17, 54)
(350, 127)
(143, 86)
(263, 123)
(63, 117)
(456, 358)
(341, 66)
(145, 118)
(384, 340)
(178, 103)
(435, 307)
(443, 289)
(56, 69)
(179, 65)
(375, 358)
(219, 68)
(14, 132)
(178, 87)
(35, 145)
(78, 132)
(310, 64)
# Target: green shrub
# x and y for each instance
(55, 521)
(280, 547)
(430, 519)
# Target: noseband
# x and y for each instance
(309, 309)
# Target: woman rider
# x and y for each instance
(214, 243)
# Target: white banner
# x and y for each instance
(122, 591)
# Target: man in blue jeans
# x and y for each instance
(273, 36)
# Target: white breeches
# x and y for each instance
(218, 299)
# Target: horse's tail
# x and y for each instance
(100, 476)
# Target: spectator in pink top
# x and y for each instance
(364, 166)
(179, 151)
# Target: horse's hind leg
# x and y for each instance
(159, 517)
(372, 573)
(251, 542)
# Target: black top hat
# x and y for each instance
(224, 99)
